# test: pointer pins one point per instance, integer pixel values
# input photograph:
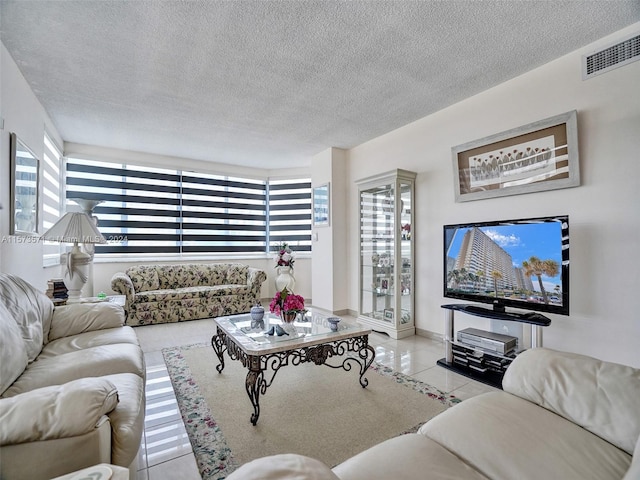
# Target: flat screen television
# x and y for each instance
(513, 263)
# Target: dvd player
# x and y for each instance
(489, 341)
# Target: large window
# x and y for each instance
(163, 211)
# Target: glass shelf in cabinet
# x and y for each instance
(385, 267)
(388, 293)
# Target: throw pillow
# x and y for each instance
(144, 278)
(237, 274)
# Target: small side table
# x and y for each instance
(117, 299)
(102, 471)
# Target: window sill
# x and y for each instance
(155, 258)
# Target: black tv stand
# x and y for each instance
(495, 364)
(522, 317)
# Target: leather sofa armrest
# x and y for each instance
(77, 318)
(58, 411)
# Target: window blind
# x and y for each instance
(290, 213)
(51, 198)
(162, 211)
(223, 214)
(140, 212)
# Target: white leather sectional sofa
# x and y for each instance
(72, 385)
(560, 416)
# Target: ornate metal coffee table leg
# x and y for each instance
(367, 354)
(363, 355)
(255, 385)
(219, 344)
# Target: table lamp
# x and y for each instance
(75, 227)
(88, 205)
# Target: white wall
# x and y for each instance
(329, 259)
(322, 238)
(24, 116)
(604, 210)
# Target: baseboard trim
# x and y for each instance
(432, 335)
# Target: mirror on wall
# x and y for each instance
(321, 206)
(24, 189)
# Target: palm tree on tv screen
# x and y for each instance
(456, 277)
(496, 275)
(537, 267)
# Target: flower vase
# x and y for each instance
(285, 279)
(287, 322)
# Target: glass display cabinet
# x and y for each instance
(386, 253)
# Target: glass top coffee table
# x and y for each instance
(313, 341)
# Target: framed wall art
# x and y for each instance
(532, 158)
(321, 213)
(25, 184)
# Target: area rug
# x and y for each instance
(311, 410)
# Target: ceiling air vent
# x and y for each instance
(611, 57)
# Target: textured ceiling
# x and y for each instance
(271, 83)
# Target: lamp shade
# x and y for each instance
(74, 227)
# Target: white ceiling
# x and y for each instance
(271, 83)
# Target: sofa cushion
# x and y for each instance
(602, 397)
(218, 273)
(189, 293)
(146, 313)
(73, 319)
(30, 308)
(172, 294)
(58, 411)
(506, 437)
(172, 276)
(97, 338)
(89, 362)
(237, 274)
(144, 277)
(200, 275)
(58, 456)
(13, 353)
(407, 457)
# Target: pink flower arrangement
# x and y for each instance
(284, 256)
(287, 302)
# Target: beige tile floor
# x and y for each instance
(166, 454)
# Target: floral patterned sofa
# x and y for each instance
(174, 293)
